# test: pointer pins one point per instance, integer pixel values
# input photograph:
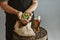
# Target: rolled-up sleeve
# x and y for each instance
(3, 0)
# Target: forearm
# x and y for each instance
(9, 9)
(32, 7)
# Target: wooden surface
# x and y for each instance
(40, 35)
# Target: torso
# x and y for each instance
(20, 5)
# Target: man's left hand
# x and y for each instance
(31, 14)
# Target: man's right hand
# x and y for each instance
(20, 18)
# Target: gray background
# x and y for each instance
(49, 10)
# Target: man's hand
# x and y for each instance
(31, 14)
(19, 15)
(20, 18)
(27, 20)
(24, 21)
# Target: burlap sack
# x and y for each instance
(25, 30)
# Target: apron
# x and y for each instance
(20, 5)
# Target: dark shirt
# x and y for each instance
(20, 5)
(3, 0)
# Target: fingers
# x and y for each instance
(31, 14)
(29, 19)
(19, 15)
(24, 21)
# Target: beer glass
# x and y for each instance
(37, 23)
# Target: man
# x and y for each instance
(14, 10)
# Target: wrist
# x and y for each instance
(28, 11)
(18, 13)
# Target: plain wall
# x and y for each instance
(49, 10)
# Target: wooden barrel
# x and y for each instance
(16, 37)
(40, 35)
